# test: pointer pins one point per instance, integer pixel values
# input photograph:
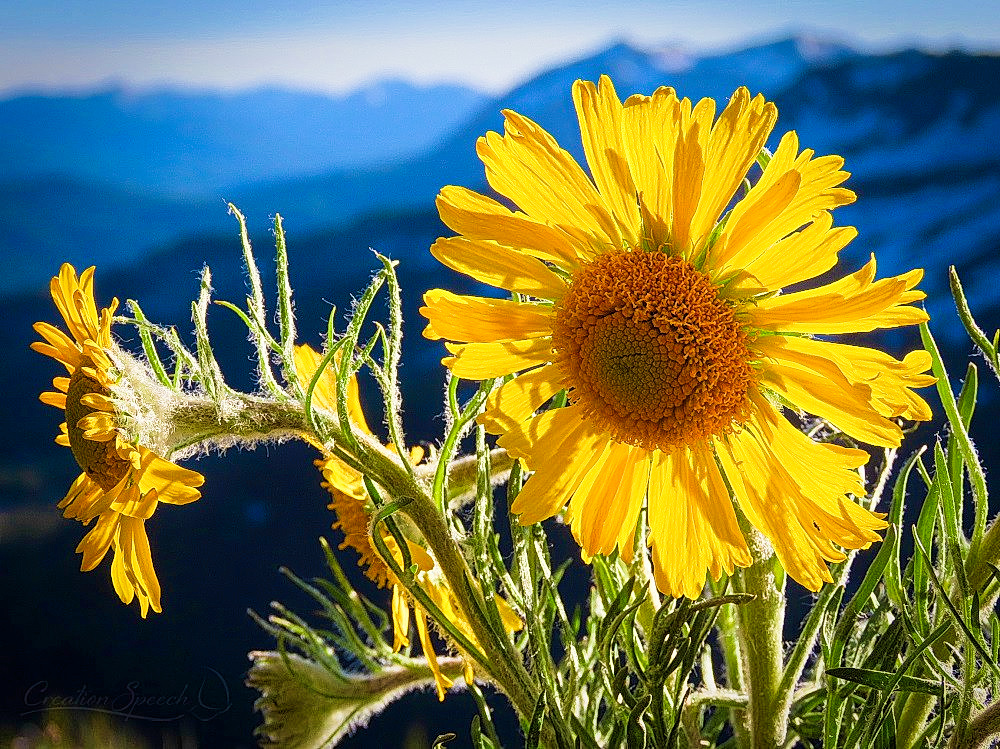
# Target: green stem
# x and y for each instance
(760, 624)
(732, 656)
(982, 728)
(247, 419)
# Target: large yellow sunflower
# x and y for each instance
(122, 481)
(352, 507)
(653, 298)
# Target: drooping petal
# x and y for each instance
(442, 682)
(692, 525)
(793, 490)
(139, 562)
(96, 543)
(560, 445)
(605, 507)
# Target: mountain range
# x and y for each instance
(917, 130)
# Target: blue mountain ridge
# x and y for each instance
(190, 143)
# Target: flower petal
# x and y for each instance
(528, 166)
(480, 361)
(599, 111)
(481, 319)
(511, 241)
(853, 304)
(692, 525)
(519, 398)
(561, 446)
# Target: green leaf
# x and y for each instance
(976, 475)
(533, 734)
(884, 680)
(893, 576)
(953, 536)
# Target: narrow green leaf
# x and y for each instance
(533, 734)
(965, 315)
(957, 616)
(867, 586)
(893, 575)
(976, 475)
(953, 536)
(884, 680)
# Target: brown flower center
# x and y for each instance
(99, 460)
(650, 350)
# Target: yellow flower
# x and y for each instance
(653, 298)
(352, 507)
(122, 481)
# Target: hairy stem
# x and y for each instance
(760, 624)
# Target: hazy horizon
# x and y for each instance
(57, 46)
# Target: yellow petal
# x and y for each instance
(307, 361)
(528, 166)
(561, 445)
(798, 257)
(139, 562)
(120, 580)
(819, 386)
(689, 170)
(889, 381)
(53, 399)
(442, 682)
(606, 505)
(482, 320)
(853, 304)
(733, 145)
(500, 246)
(692, 525)
(767, 214)
(792, 490)
(650, 126)
(519, 398)
(400, 619)
(174, 485)
(96, 543)
(481, 361)
(599, 111)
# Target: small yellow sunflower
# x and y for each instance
(122, 481)
(650, 292)
(352, 507)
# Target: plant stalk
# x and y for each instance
(759, 626)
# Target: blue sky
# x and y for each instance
(336, 46)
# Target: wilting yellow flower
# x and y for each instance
(654, 300)
(122, 481)
(352, 507)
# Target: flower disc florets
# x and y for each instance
(99, 459)
(651, 351)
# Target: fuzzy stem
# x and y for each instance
(760, 624)
(242, 418)
(503, 664)
(982, 728)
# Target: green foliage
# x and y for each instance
(904, 654)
